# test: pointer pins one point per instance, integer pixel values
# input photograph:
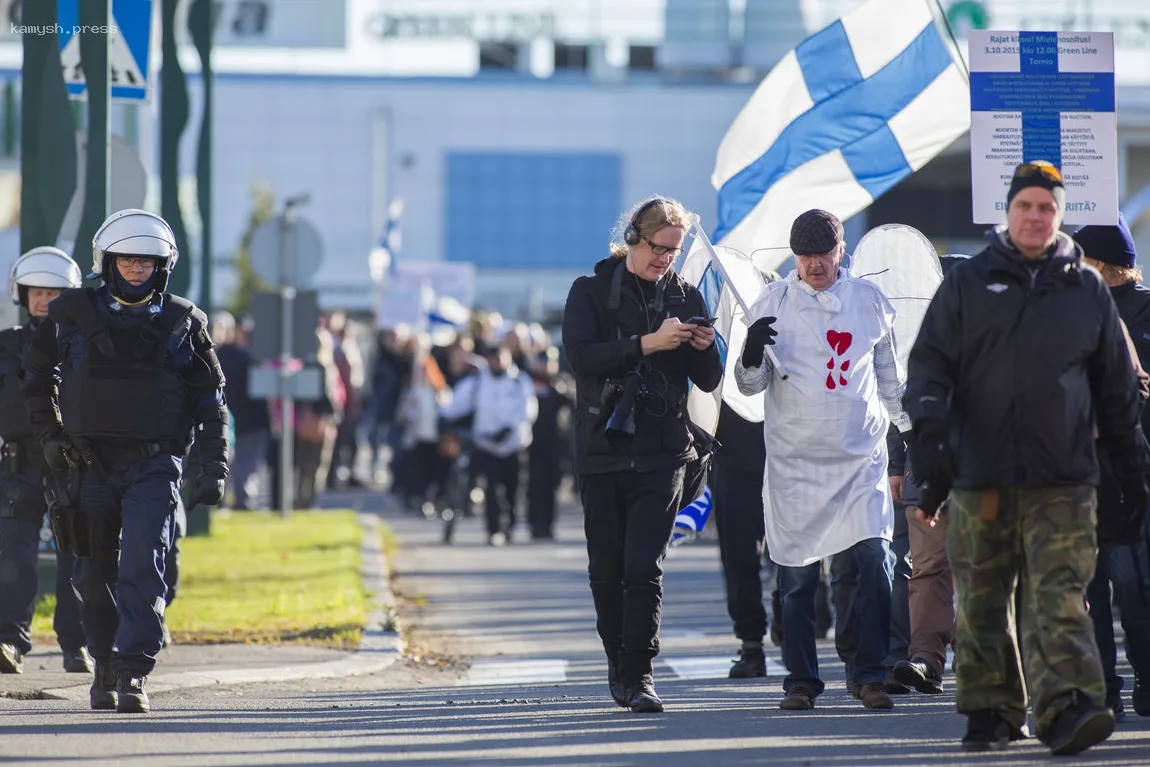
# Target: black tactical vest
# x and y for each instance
(123, 387)
(14, 422)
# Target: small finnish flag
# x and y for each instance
(690, 521)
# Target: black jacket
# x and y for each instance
(743, 449)
(602, 343)
(1019, 360)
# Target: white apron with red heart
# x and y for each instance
(825, 483)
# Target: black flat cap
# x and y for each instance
(815, 232)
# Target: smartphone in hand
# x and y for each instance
(702, 321)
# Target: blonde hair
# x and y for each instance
(1123, 275)
(660, 214)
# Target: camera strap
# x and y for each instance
(615, 296)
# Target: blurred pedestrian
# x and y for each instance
(502, 400)
(1123, 556)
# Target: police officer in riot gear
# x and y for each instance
(37, 277)
(118, 382)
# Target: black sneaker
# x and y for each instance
(1141, 696)
(752, 663)
(1081, 725)
(103, 693)
(618, 693)
(77, 661)
(11, 659)
(641, 697)
(919, 674)
(986, 730)
(130, 689)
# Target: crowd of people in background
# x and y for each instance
(391, 411)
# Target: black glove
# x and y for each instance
(207, 490)
(929, 454)
(59, 453)
(759, 336)
(933, 498)
(501, 435)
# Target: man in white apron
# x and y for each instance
(825, 486)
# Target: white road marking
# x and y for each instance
(499, 672)
(716, 667)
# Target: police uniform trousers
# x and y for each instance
(130, 506)
(22, 510)
(628, 520)
(1038, 543)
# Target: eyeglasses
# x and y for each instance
(143, 263)
(661, 250)
(1038, 167)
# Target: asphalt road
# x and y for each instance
(504, 668)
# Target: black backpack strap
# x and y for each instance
(80, 307)
(170, 321)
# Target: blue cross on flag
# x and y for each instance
(842, 118)
(129, 45)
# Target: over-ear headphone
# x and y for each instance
(631, 233)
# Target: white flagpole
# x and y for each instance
(779, 369)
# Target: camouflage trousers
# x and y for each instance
(1022, 558)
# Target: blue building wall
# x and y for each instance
(530, 210)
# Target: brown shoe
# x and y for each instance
(798, 699)
(874, 695)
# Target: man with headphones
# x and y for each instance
(119, 380)
(636, 336)
(37, 277)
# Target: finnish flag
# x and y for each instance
(842, 118)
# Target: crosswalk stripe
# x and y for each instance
(713, 667)
(541, 671)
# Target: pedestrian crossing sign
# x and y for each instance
(129, 45)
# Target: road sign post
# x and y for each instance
(285, 251)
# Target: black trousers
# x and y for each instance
(738, 512)
(628, 518)
(543, 477)
(501, 491)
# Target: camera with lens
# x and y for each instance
(621, 397)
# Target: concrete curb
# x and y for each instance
(379, 647)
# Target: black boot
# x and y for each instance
(752, 663)
(1141, 695)
(130, 689)
(986, 730)
(103, 694)
(641, 697)
(11, 660)
(618, 694)
(77, 661)
(1081, 725)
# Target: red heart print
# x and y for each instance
(840, 342)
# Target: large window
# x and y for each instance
(526, 210)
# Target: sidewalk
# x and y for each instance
(185, 666)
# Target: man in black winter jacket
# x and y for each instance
(1110, 250)
(1021, 352)
(633, 352)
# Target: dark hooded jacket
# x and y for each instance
(1020, 359)
(603, 343)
